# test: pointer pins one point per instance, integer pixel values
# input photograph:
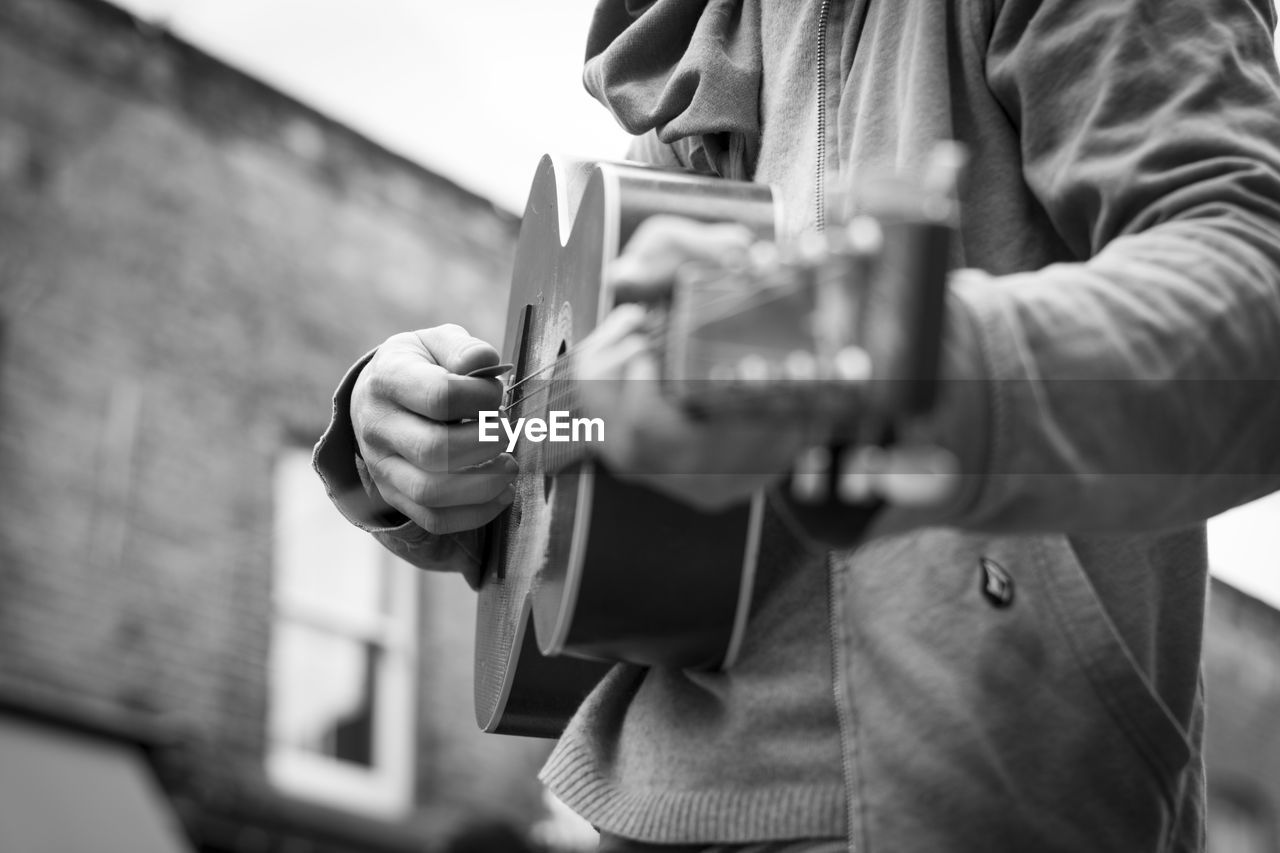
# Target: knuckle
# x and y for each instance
(396, 341)
(428, 452)
(379, 472)
(366, 423)
(654, 232)
(379, 380)
(435, 399)
(440, 334)
(663, 223)
(425, 492)
(734, 234)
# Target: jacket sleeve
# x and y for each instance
(1138, 389)
(336, 459)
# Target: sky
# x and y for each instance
(475, 91)
(478, 92)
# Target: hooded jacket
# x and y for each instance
(1021, 667)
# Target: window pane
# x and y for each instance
(323, 690)
(324, 563)
(1244, 548)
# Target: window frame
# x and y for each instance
(385, 789)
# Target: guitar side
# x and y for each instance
(603, 569)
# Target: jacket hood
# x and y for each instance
(688, 70)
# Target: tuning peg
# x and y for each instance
(763, 256)
(860, 470)
(811, 476)
(852, 364)
(919, 476)
(863, 235)
(800, 365)
(810, 249)
(753, 368)
(910, 476)
(945, 168)
(720, 372)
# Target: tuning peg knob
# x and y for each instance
(753, 368)
(811, 476)
(720, 372)
(800, 365)
(763, 256)
(810, 249)
(863, 235)
(860, 471)
(852, 364)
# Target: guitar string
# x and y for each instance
(558, 393)
(563, 358)
(708, 361)
(738, 303)
(740, 295)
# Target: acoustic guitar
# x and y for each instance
(841, 330)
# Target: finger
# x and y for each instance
(643, 367)
(615, 362)
(616, 339)
(430, 445)
(663, 234)
(661, 244)
(414, 383)
(478, 485)
(618, 323)
(453, 348)
(453, 519)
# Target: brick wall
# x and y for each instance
(188, 261)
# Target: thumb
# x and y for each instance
(453, 348)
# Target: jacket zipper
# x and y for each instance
(820, 210)
(844, 705)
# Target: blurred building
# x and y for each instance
(195, 651)
(189, 260)
(1242, 739)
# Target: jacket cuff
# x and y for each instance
(337, 460)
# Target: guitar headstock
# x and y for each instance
(776, 332)
(839, 328)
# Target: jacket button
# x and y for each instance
(996, 583)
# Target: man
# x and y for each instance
(1017, 667)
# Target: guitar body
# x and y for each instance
(584, 569)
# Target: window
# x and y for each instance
(1243, 548)
(343, 652)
